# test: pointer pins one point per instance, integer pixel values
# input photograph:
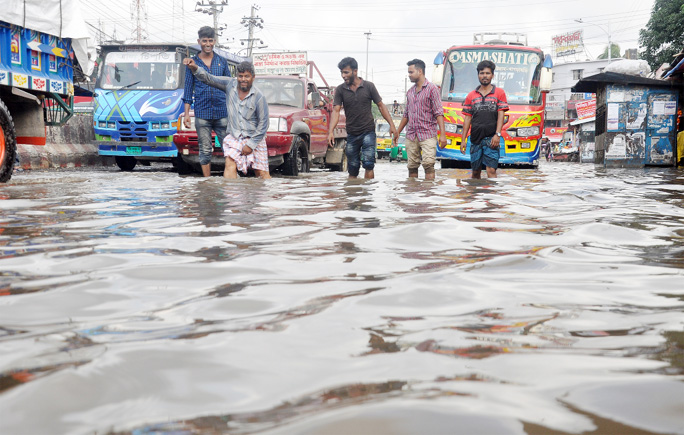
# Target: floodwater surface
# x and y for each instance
(547, 301)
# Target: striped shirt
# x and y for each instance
(210, 103)
(248, 118)
(422, 109)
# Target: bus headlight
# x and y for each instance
(277, 125)
(111, 124)
(451, 128)
(102, 124)
(528, 131)
(525, 145)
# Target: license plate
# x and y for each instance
(133, 150)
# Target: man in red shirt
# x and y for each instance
(422, 115)
(483, 110)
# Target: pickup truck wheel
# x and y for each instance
(297, 160)
(182, 166)
(8, 144)
(125, 163)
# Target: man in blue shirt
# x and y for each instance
(245, 144)
(210, 103)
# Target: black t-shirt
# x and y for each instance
(357, 106)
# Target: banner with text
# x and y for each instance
(567, 44)
(586, 109)
(280, 63)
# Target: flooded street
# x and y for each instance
(548, 301)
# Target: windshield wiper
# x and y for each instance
(127, 86)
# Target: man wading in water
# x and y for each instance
(245, 142)
(357, 94)
(483, 109)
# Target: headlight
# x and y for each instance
(165, 124)
(528, 131)
(277, 124)
(154, 126)
(102, 124)
(181, 125)
(451, 128)
(111, 125)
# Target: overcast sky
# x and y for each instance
(401, 29)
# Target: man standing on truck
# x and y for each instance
(423, 114)
(245, 142)
(357, 95)
(210, 103)
(483, 109)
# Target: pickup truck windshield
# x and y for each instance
(281, 91)
(139, 70)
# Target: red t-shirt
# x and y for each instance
(484, 111)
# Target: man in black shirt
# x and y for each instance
(356, 95)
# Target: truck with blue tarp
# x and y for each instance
(41, 42)
(138, 101)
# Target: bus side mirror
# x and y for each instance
(545, 80)
(438, 74)
(316, 99)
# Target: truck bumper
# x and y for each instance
(137, 149)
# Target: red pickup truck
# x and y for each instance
(297, 138)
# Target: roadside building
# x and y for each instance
(561, 105)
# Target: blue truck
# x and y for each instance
(37, 61)
(138, 101)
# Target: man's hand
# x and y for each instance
(190, 64)
(442, 141)
(331, 139)
(494, 143)
(394, 133)
(246, 150)
(186, 121)
(463, 147)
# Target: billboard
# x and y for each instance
(586, 109)
(568, 43)
(280, 63)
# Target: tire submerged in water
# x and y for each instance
(8, 144)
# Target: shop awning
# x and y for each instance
(583, 121)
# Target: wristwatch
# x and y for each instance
(497, 133)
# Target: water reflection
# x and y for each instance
(546, 301)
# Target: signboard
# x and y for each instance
(567, 44)
(280, 63)
(585, 109)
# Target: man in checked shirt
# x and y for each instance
(210, 103)
(422, 115)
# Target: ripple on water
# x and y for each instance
(546, 301)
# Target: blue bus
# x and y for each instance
(138, 101)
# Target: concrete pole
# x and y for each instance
(368, 34)
(250, 43)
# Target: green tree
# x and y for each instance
(663, 36)
(614, 52)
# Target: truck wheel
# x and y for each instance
(125, 163)
(297, 160)
(8, 144)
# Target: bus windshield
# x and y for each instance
(517, 73)
(140, 70)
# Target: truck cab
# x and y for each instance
(297, 137)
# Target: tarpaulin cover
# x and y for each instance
(61, 18)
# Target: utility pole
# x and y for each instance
(139, 17)
(213, 8)
(368, 35)
(251, 22)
